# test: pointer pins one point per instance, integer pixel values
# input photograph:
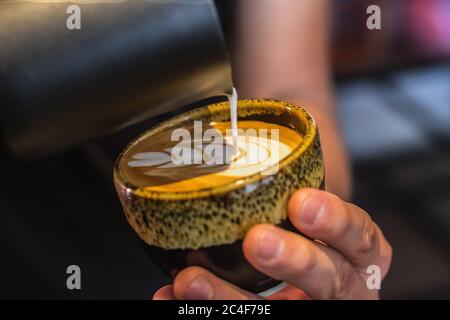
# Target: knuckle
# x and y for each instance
(386, 258)
(385, 251)
(344, 281)
(368, 241)
(389, 252)
(342, 229)
(338, 225)
(308, 264)
(303, 262)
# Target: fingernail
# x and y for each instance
(311, 210)
(270, 245)
(199, 289)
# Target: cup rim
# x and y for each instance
(308, 140)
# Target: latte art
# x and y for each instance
(253, 155)
(160, 165)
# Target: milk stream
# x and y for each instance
(232, 98)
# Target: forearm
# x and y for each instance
(282, 52)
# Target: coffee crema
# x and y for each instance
(260, 146)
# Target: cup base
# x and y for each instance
(225, 261)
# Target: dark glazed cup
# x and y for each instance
(205, 227)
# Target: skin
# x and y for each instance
(282, 52)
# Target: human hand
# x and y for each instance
(332, 267)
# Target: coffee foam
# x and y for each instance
(151, 168)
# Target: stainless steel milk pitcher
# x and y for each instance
(64, 81)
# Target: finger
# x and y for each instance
(195, 283)
(341, 225)
(164, 293)
(320, 271)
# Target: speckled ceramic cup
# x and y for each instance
(206, 227)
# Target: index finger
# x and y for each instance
(342, 226)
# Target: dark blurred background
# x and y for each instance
(393, 90)
(393, 94)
